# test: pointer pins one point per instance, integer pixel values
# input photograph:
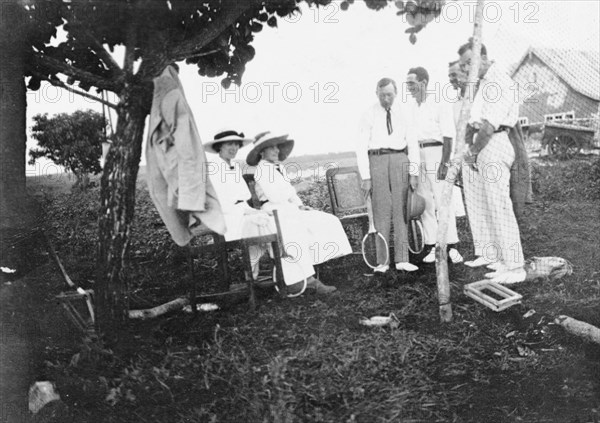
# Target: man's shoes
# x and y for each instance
(320, 287)
(430, 258)
(497, 266)
(382, 268)
(453, 253)
(478, 262)
(407, 267)
(455, 256)
(508, 276)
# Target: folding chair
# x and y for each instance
(347, 200)
(83, 317)
(222, 247)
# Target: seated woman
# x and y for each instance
(242, 221)
(324, 232)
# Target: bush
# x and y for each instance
(579, 178)
(71, 140)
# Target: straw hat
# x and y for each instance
(266, 139)
(415, 205)
(226, 135)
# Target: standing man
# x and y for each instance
(489, 161)
(388, 157)
(434, 126)
(458, 81)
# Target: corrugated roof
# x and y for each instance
(578, 68)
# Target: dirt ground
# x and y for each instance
(308, 359)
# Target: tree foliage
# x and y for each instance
(215, 35)
(418, 13)
(70, 140)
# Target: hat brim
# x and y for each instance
(415, 205)
(284, 144)
(210, 145)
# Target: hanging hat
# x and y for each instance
(226, 135)
(415, 205)
(266, 139)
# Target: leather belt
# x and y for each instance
(430, 143)
(502, 128)
(381, 151)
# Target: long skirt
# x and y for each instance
(311, 233)
(295, 266)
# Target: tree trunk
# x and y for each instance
(117, 209)
(82, 181)
(13, 105)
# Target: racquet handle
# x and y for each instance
(370, 215)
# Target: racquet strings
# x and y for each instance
(371, 240)
(416, 240)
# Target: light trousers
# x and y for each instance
(432, 189)
(389, 181)
(489, 207)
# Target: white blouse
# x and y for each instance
(228, 182)
(273, 186)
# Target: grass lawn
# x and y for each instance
(308, 359)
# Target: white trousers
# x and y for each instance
(489, 207)
(432, 189)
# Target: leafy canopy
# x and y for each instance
(215, 35)
(70, 140)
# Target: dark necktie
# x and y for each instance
(278, 168)
(388, 120)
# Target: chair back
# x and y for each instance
(345, 194)
(249, 178)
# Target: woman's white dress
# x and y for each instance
(323, 235)
(242, 221)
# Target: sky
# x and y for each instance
(315, 75)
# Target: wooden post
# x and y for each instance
(441, 255)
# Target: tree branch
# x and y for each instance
(58, 83)
(97, 47)
(81, 75)
(231, 10)
(104, 55)
(130, 44)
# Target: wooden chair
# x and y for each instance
(222, 247)
(345, 194)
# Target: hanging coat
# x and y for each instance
(521, 192)
(176, 164)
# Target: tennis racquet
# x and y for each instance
(371, 239)
(297, 294)
(416, 240)
(283, 255)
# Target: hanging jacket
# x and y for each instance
(176, 164)
(520, 173)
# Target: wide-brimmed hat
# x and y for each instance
(415, 205)
(266, 139)
(226, 135)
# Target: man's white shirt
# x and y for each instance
(373, 134)
(497, 99)
(433, 119)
